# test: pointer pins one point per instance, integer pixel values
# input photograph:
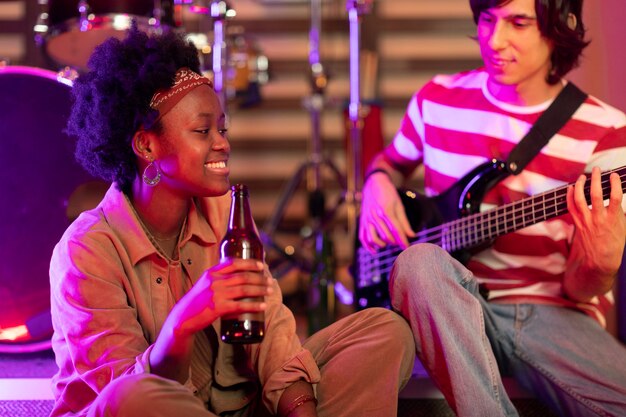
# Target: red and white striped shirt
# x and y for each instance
(454, 124)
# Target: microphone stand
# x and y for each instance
(220, 51)
(311, 168)
(356, 8)
(218, 10)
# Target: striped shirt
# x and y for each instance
(454, 124)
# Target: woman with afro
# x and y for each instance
(137, 283)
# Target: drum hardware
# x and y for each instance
(84, 12)
(210, 7)
(67, 75)
(69, 30)
(41, 25)
(218, 11)
(44, 192)
(356, 8)
(352, 187)
(312, 168)
(203, 45)
(231, 58)
(220, 50)
(248, 71)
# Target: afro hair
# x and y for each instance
(112, 100)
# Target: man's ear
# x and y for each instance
(572, 22)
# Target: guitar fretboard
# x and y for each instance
(478, 228)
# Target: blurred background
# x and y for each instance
(286, 75)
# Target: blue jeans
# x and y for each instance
(465, 343)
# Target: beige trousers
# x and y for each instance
(364, 361)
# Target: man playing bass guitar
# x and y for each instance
(544, 289)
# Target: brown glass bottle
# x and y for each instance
(242, 241)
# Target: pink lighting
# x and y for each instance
(14, 333)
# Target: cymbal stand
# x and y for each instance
(219, 9)
(312, 168)
(356, 8)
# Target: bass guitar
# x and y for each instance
(452, 221)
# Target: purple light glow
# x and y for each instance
(353, 110)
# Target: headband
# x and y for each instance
(185, 80)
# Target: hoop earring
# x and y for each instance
(154, 180)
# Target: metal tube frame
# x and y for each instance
(220, 50)
(355, 8)
(312, 167)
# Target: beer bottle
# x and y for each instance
(242, 241)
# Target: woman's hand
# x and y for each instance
(218, 292)
(383, 220)
(224, 289)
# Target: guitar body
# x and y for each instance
(462, 199)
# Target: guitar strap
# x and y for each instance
(548, 124)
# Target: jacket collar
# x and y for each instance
(119, 214)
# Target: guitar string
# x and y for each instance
(435, 234)
(506, 211)
(552, 203)
(437, 237)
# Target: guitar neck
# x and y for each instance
(371, 275)
(479, 228)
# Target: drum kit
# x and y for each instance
(44, 188)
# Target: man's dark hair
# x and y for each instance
(552, 19)
(112, 99)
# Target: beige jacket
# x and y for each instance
(111, 292)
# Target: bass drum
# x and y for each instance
(42, 189)
(75, 28)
